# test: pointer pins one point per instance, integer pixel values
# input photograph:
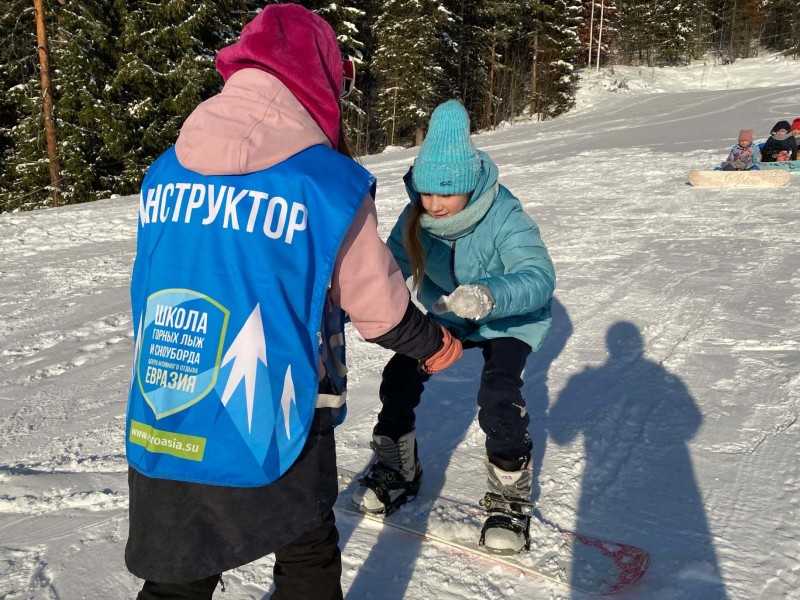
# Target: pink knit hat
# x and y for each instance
(746, 135)
(298, 47)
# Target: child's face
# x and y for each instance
(796, 133)
(444, 206)
(744, 143)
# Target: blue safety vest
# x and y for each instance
(228, 293)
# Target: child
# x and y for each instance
(479, 264)
(780, 141)
(796, 130)
(740, 157)
(238, 294)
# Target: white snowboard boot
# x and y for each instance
(394, 476)
(507, 528)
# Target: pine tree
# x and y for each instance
(368, 133)
(345, 19)
(16, 61)
(16, 67)
(465, 72)
(166, 69)
(782, 28)
(558, 44)
(673, 29)
(361, 124)
(85, 55)
(749, 19)
(348, 21)
(663, 33)
(638, 31)
(502, 29)
(24, 173)
(407, 67)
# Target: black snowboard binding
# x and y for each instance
(391, 489)
(393, 478)
(512, 515)
(507, 528)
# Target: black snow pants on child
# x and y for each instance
(182, 532)
(502, 414)
(309, 567)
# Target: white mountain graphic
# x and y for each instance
(137, 348)
(287, 400)
(247, 350)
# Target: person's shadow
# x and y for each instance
(536, 389)
(638, 484)
(446, 421)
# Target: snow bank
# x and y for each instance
(391, 149)
(769, 70)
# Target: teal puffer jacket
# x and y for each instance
(502, 250)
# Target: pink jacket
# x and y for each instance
(255, 123)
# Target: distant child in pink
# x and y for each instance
(740, 157)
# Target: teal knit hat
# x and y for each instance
(447, 163)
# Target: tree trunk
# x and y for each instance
(600, 36)
(732, 48)
(419, 135)
(47, 102)
(512, 87)
(489, 117)
(591, 37)
(534, 75)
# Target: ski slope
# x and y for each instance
(664, 404)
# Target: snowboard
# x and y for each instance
(558, 555)
(739, 179)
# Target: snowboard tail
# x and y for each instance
(556, 554)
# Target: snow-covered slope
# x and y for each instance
(768, 71)
(690, 449)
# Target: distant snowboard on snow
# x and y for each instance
(739, 179)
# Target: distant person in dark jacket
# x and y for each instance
(781, 146)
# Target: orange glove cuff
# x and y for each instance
(446, 356)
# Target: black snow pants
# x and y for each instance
(502, 415)
(309, 567)
(181, 551)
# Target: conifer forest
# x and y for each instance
(125, 74)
